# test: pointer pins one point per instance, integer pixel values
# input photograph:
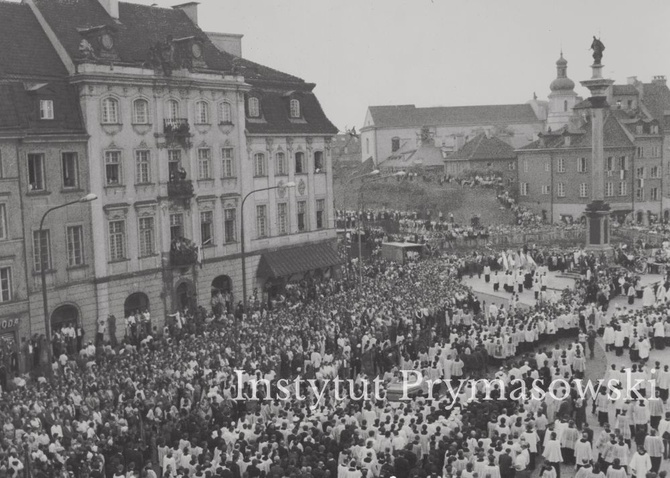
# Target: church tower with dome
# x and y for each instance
(562, 98)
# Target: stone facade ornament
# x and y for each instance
(302, 187)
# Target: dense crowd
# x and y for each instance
(162, 401)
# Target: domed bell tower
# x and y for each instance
(562, 98)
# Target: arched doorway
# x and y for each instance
(222, 284)
(639, 217)
(137, 302)
(64, 316)
(222, 295)
(185, 296)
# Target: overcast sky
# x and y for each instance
(441, 52)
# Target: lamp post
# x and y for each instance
(244, 262)
(43, 272)
(349, 181)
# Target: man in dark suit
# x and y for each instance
(506, 464)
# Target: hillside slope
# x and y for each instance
(417, 195)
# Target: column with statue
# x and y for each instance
(597, 211)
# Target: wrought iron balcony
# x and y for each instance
(183, 253)
(180, 189)
(177, 130)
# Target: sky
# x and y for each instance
(440, 52)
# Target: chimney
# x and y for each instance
(111, 7)
(190, 9)
(659, 80)
(227, 42)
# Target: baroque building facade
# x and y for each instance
(172, 131)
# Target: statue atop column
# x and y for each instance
(598, 49)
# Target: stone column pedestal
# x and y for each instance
(598, 226)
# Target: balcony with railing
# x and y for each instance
(180, 189)
(177, 131)
(183, 253)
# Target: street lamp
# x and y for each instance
(43, 272)
(244, 262)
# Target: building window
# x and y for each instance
(117, 240)
(623, 163)
(367, 145)
(70, 168)
(280, 164)
(320, 213)
(565, 105)
(299, 163)
(318, 161)
(560, 190)
(282, 218)
(547, 167)
(395, 144)
(225, 113)
(201, 113)
(609, 164)
(609, 189)
(583, 190)
(581, 165)
(295, 109)
(206, 227)
(229, 225)
(653, 173)
(639, 193)
(205, 163)
(42, 250)
(36, 178)
(172, 112)
(147, 235)
(143, 164)
(302, 207)
(5, 284)
(227, 162)
(110, 111)
(174, 162)
(545, 189)
(653, 194)
(561, 165)
(511, 166)
(141, 111)
(46, 109)
(623, 188)
(261, 221)
(640, 152)
(639, 173)
(113, 167)
(75, 246)
(260, 168)
(525, 165)
(254, 107)
(176, 227)
(4, 234)
(524, 189)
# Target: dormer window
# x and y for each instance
(254, 107)
(295, 108)
(46, 109)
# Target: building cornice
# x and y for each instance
(138, 80)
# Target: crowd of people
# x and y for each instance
(165, 401)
